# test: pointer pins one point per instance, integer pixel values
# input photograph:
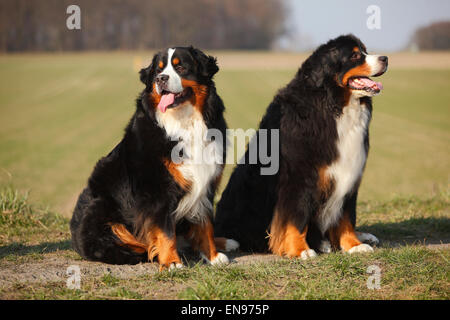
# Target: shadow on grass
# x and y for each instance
(45, 247)
(393, 234)
(427, 230)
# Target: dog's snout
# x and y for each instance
(162, 78)
(383, 59)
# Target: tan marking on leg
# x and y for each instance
(162, 246)
(286, 239)
(343, 235)
(202, 239)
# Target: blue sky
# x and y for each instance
(318, 21)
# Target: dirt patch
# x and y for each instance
(52, 267)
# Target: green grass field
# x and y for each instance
(59, 113)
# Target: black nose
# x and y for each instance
(162, 78)
(383, 59)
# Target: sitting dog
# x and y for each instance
(138, 199)
(323, 118)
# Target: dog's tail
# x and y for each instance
(224, 244)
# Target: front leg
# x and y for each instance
(343, 236)
(162, 243)
(289, 226)
(201, 236)
(287, 239)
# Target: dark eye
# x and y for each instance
(356, 55)
(180, 68)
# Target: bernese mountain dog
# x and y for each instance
(155, 187)
(323, 118)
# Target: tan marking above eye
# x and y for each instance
(175, 61)
(356, 54)
(161, 64)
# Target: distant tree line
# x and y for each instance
(40, 25)
(433, 37)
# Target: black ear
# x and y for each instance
(323, 67)
(146, 74)
(143, 74)
(207, 64)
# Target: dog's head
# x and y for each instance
(178, 75)
(344, 61)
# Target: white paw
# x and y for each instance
(220, 259)
(231, 245)
(174, 266)
(367, 238)
(325, 246)
(360, 248)
(308, 254)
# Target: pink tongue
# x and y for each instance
(379, 85)
(371, 84)
(166, 100)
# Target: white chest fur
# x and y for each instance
(199, 167)
(352, 126)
